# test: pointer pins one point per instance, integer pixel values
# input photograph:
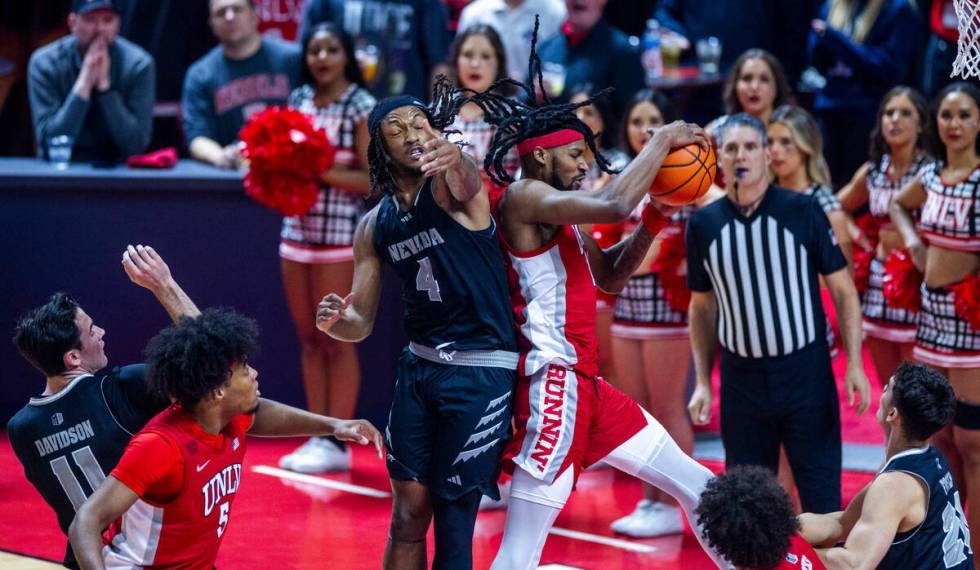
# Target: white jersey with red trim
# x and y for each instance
(553, 294)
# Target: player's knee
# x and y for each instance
(410, 521)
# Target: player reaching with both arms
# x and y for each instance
(567, 417)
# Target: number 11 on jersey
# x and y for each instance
(424, 281)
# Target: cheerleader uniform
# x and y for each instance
(325, 234)
(879, 319)
(950, 219)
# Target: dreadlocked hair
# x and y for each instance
(441, 112)
(517, 120)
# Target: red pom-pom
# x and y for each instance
(869, 226)
(901, 281)
(286, 157)
(862, 269)
(670, 267)
(966, 300)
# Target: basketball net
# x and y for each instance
(967, 62)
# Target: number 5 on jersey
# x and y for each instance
(424, 281)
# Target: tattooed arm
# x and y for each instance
(613, 266)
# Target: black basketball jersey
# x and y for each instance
(68, 442)
(454, 284)
(943, 539)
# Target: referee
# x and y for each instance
(753, 266)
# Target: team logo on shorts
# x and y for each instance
(492, 415)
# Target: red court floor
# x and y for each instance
(340, 521)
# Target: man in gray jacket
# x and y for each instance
(93, 86)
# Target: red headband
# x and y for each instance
(550, 140)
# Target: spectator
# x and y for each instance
(650, 342)
(236, 79)
(316, 251)
(756, 85)
(941, 47)
(402, 45)
(753, 262)
(863, 50)
(590, 55)
(94, 87)
(900, 145)
(478, 60)
(514, 22)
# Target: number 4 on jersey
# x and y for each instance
(424, 281)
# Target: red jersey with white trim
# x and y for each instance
(950, 217)
(800, 556)
(553, 294)
(184, 532)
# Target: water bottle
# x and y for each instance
(653, 63)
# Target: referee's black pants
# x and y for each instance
(790, 400)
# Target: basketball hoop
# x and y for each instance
(967, 62)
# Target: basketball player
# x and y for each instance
(71, 435)
(909, 516)
(176, 481)
(567, 417)
(450, 416)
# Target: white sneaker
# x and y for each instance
(488, 504)
(650, 519)
(317, 455)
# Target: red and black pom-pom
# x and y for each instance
(669, 266)
(862, 269)
(966, 300)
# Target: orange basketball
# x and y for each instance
(685, 175)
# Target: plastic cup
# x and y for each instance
(59, 151)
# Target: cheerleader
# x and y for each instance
(899, 145)
(316, 255)
(946, 249)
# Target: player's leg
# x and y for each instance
(966, 438)
(651, 455)
(409, 441)
(411, 513)
(534, 506)
(473, 405)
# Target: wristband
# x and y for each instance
(653, 220)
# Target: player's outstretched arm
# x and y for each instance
(273, 419)
(890, 498)
(146, 268)
(351, 318)
(535, 202)
(106, 504)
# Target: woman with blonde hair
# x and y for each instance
(796, 149)
(862, 48)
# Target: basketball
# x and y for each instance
(685, 175)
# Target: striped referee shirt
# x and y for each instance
(764, 270)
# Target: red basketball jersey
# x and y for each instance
(186, 532)
(553, 295)
(800, 556)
